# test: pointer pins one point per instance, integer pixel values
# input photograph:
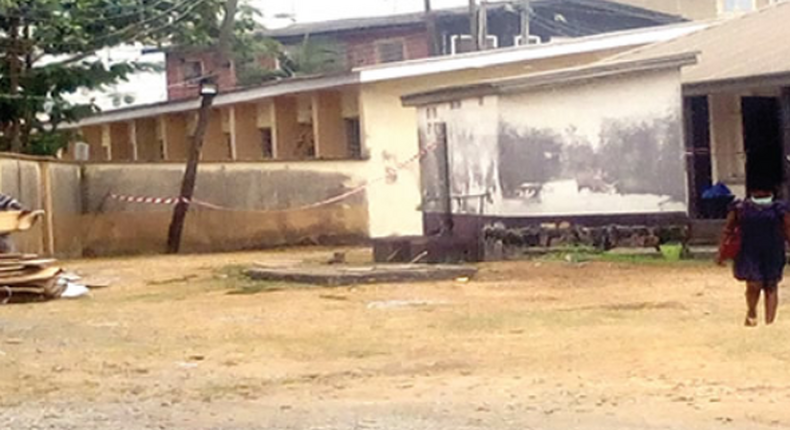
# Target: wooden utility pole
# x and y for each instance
(474, 28)
(190, 175)
(526, 14)
(434, 48)
(482, 26)
(13, 82)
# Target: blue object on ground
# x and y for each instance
(717, 191)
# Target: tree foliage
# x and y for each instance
(313, 56)
(48, 52)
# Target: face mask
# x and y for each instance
(763, 201)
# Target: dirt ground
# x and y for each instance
(186, 343)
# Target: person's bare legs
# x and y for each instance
(752, 300)
(771, 302)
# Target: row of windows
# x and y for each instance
(386, 51)
(729, 6)
(353, 140)
(740, 6)
(81, 150)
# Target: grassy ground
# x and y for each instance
(187, 342)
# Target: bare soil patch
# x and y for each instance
(185, 343)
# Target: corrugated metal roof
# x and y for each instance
(751, 46)
(623, 40)
(412, 19)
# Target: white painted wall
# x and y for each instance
(580, 112)
(727, 150)
(572, 116)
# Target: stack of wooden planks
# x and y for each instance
(29, 278)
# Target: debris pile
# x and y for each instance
(29, 278)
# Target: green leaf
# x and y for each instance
(73, 31)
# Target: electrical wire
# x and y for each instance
(166, 13)
(65, 9)
(618, 10)
(100, 42)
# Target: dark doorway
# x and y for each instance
(762, 140)
(698, 159)
(436, 182)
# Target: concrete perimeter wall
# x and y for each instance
(266, 202)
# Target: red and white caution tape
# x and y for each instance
(168, 201)
(171, 201)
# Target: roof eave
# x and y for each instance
(540, 80)
(779, 79)
(286, 87)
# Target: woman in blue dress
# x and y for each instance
(764, 225)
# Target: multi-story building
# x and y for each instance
(370, 41)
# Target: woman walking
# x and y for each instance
(761, 224)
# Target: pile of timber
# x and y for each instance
(29, 278)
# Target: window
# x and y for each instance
(462, 43)
(390, 51)
(533, 40)
(192, 71)
(82, 151)
(267, 144)
(735, 6)
(431, 113)
(354, 137)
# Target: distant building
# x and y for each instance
(370, 41)
(701, 9)
(309, 140)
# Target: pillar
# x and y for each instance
(286, 128)
(329, 127)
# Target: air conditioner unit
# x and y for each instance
(463, 43)
(533, 40)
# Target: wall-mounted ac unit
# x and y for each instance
(533, 40)
(461, 43)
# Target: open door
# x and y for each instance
(699, 164)
(762, 139)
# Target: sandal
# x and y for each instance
(750, 322)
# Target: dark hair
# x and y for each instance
(759, 183)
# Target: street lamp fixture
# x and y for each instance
(208, 88)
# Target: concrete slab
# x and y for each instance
(356, 275)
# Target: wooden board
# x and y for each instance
(28, 278)
(16, 256)
(12, 221)
(23, 290)
(40, 262)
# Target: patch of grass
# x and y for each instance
(649, 260)
(587, 255)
